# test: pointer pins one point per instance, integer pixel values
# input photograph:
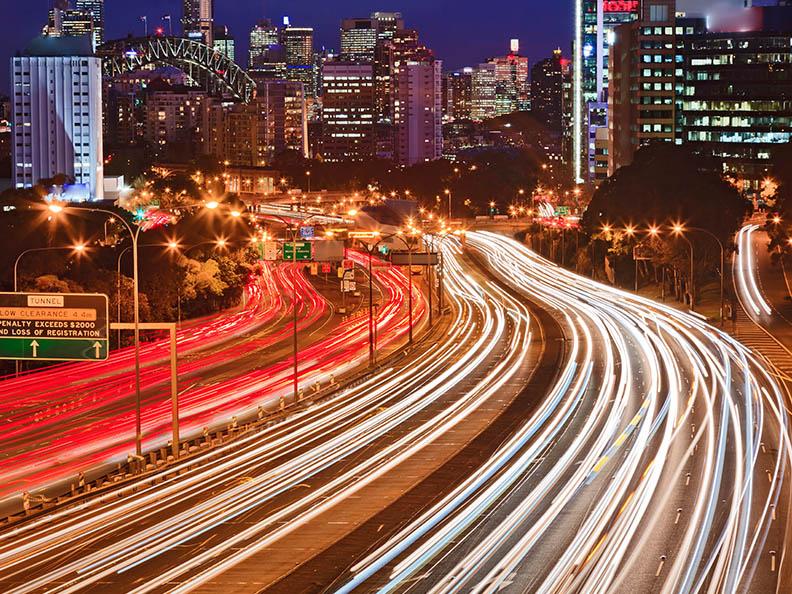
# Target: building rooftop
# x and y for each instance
(59, 46)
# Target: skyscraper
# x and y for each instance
(511, 82)
(85, 18)
(594, 24)
(347, 111)
(460, 93)
(262, 36)
(641, 102)
(358, 39)
(546, 92)
(223, 41)
(198, 20)
(95, 8)
(482, 95)
(298, 49)
(388, 23)
(57, 92)
(417, 111)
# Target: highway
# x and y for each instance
(197, 522)
(77, 417)
(657, 462)
(562, 436)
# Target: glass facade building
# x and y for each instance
(736, 103)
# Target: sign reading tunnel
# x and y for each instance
(54, 327)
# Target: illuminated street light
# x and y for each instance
(212, 204)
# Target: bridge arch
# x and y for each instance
(213, 68)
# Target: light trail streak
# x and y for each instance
(308, 443)
(730, 394)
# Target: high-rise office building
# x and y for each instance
(736, 99)
(57, 107)
(388, 23)
(482, 95)
(85, 18)
(546, 92)
(297, 44)
(263, 36)
(358, 39)
(417, 111)
(594, 24)
(459, 94)
(95, 8)
(642, 84)
(347, 111)
(198, 20)
(511, 82)
(223, 41)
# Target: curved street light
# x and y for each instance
(134, 234)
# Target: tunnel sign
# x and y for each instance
(54, 327)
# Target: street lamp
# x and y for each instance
(448, 193)
(370, 251)
(722, 258)
(56, 208)
(292, 228)
(679, 232)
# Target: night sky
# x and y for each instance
(461, 32)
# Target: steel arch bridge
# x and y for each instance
(212, 68)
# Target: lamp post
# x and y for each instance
(292, 228)
(76, 248)
(134, 234)
(448, 193)
(678, 231)
(370, 249)
(722, 258)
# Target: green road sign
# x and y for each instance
(53, 349)
(304, 251)
(54, 327)
(562, 211)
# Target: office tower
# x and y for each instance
(642, 83)
(297, 44)
(567, 118)
(511, 82)
(223, 41)
(482, 96)
(94, 8)
(735, 97)
(417, 111)
(347, 111)
(594, 24)
(262, 37)
(85, 18)
(387, 24)
(198, 20)
(460, 94)
(546, 92)
(57, 93)
(358, 39)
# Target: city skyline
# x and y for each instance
(485, 34)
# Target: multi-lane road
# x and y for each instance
(559, 436)
(73, 418)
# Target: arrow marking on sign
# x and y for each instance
(97, 346)
(35, 346)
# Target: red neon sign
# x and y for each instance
(620, 6)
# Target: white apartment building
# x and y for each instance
(57, 114)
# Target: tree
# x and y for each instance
(666, 184)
